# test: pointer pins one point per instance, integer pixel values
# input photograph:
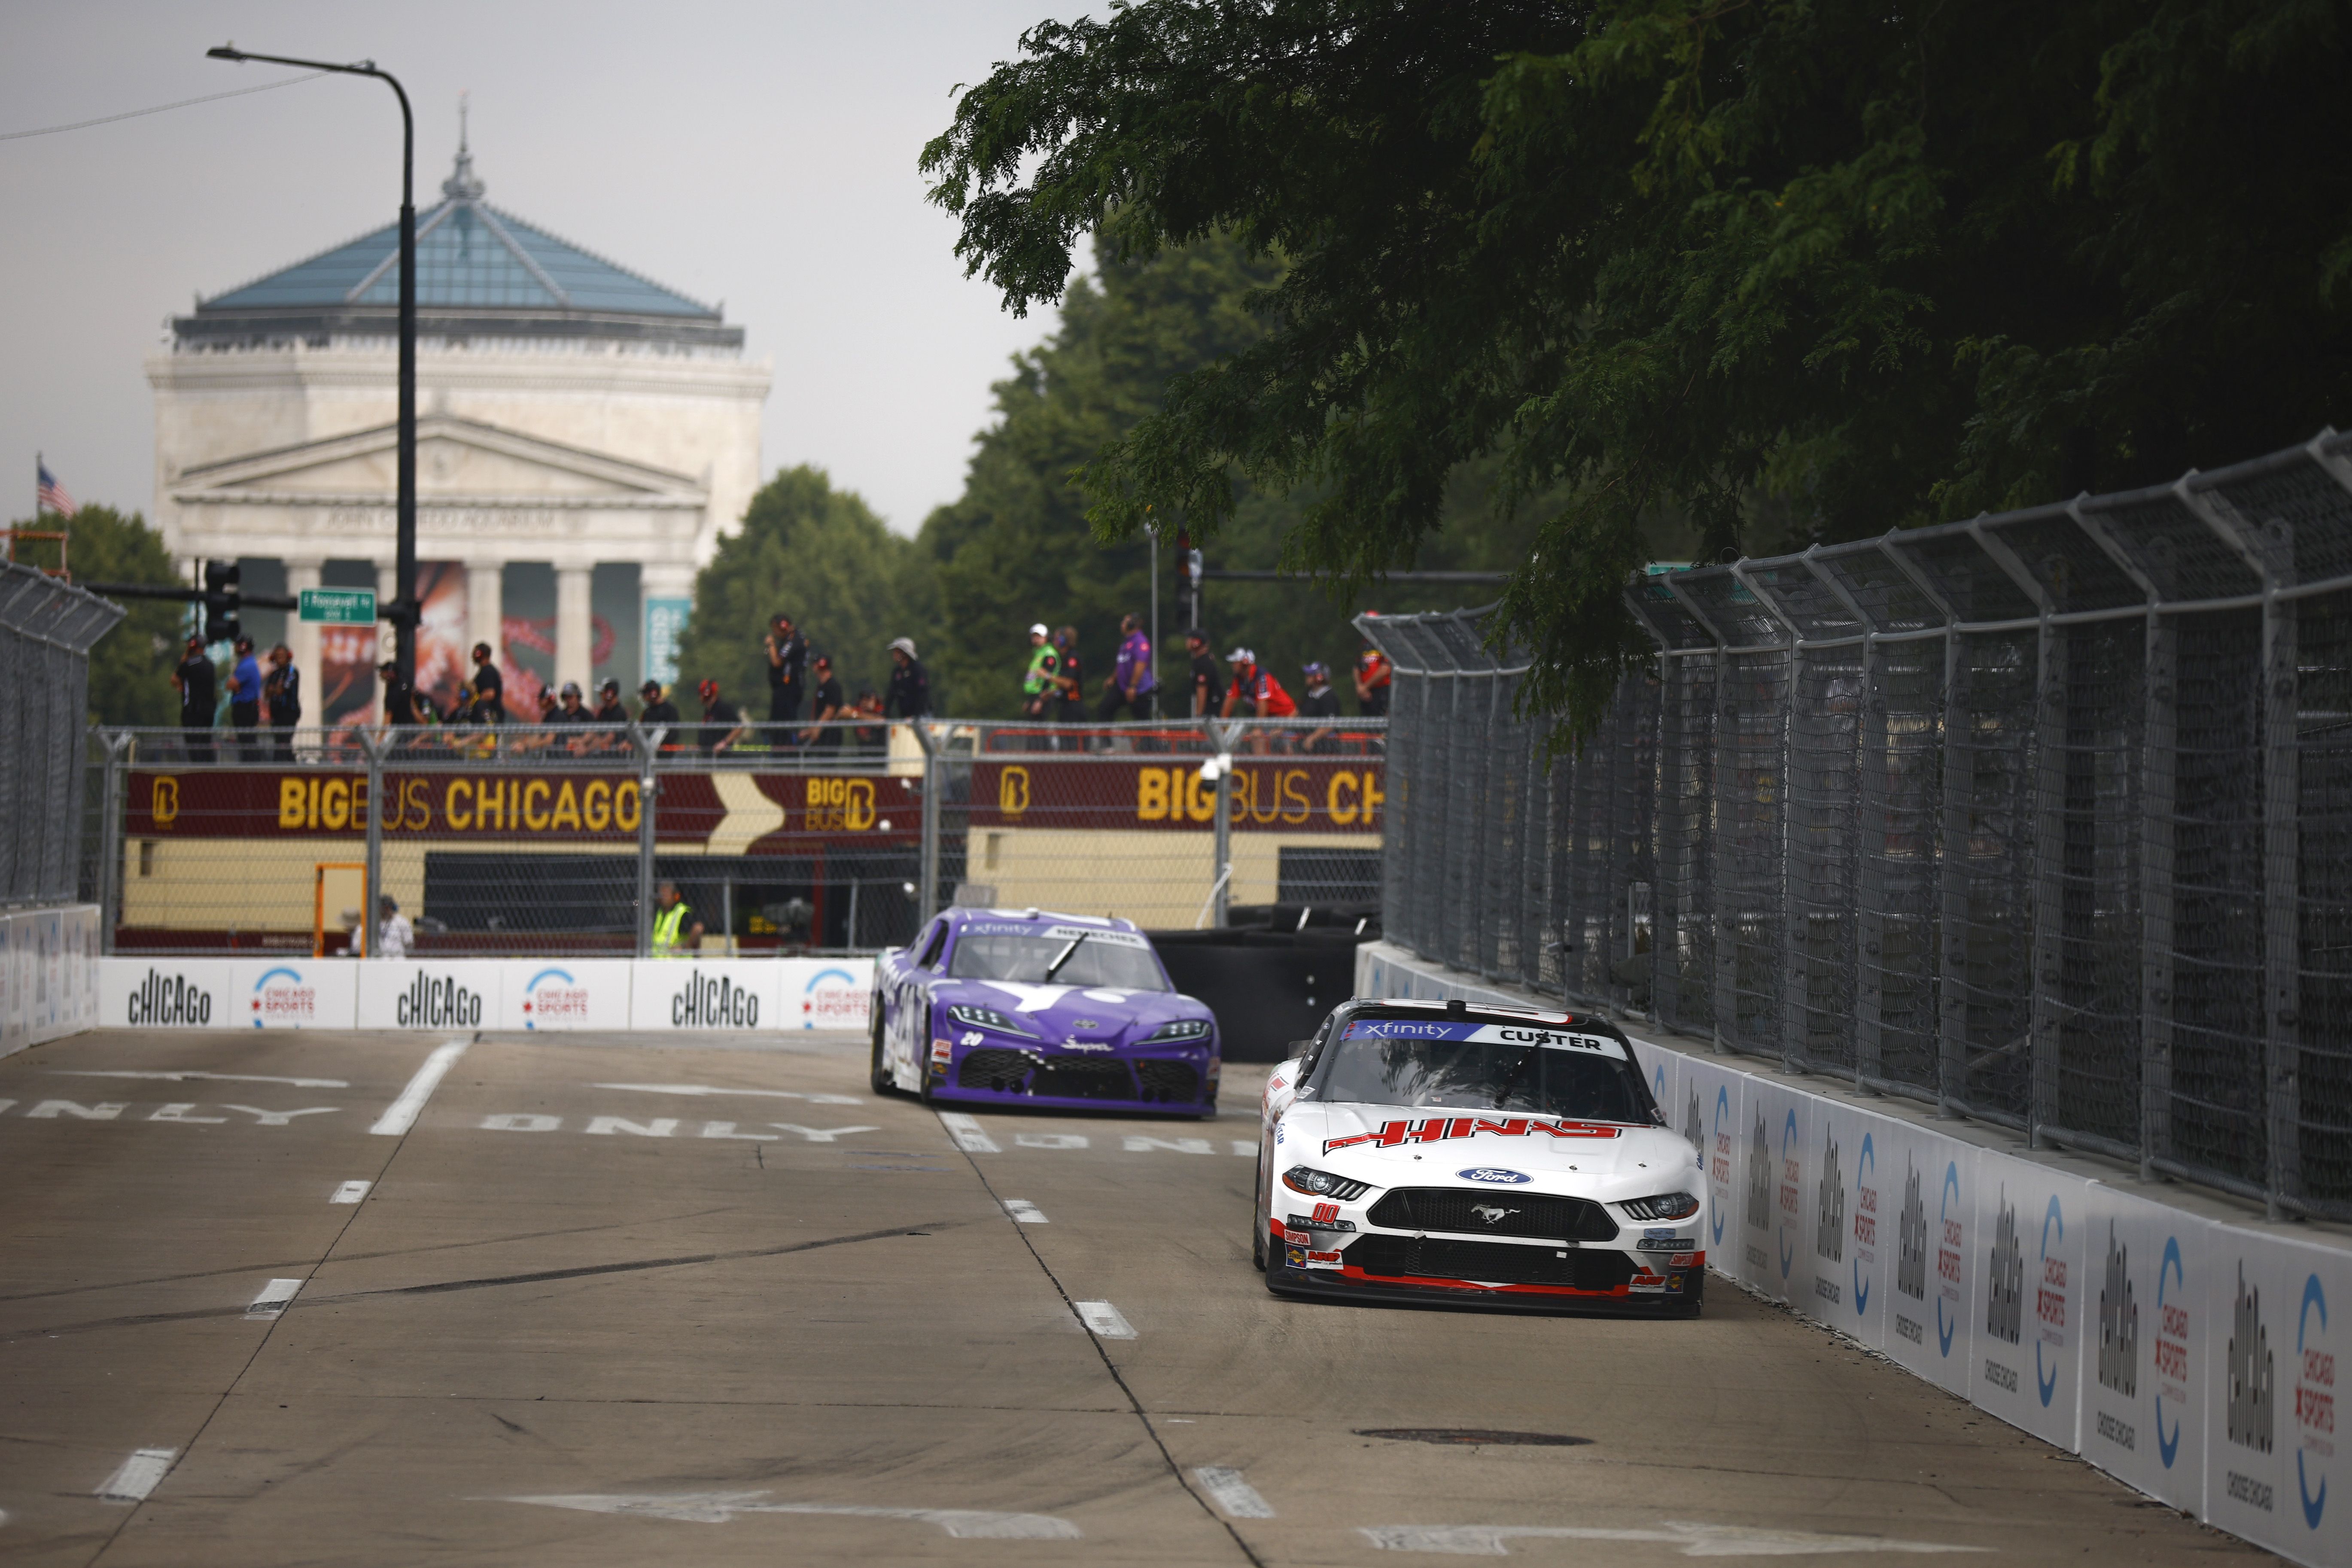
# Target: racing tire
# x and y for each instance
(1258, 1233)
(878, 1074)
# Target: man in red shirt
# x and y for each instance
(1256, 694)
(1372, 678)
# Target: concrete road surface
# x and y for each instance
(271, 1298)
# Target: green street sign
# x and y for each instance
(340, 606)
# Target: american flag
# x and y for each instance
(51, 494)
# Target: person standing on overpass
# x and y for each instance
(910, 684)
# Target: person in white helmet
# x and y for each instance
(910, 684)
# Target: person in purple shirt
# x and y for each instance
(245, 700)
(1131, 682)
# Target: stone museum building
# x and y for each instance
(583, 436)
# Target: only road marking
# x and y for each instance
(351, 1192)
(966, 1133)
(275, 1298)
(1026, 1212)
(1695, 1539)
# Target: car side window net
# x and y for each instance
(1024, 959)
(931, 959)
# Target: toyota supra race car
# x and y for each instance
(1437, 1151)
(1002, 1007)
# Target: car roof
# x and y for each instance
(1042, 916)
(1501, 1013)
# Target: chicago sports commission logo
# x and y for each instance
(282, 996)
(554, 998)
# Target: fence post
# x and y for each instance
(1959, 786)
(2281, 892)
(109, 840)
(1221, 895)
(2157, 830)
(927, 895)
(648, 745)
(371, 896)
(2047, 953)
(1871, 832)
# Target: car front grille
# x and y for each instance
(1506, 1213)
(992, 1067)
(1489, 1262)
(1175, 1083)
(1065, 1079)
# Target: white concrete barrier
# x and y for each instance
(2170, 1336)
(443, 994)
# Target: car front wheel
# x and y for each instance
(879, 1076)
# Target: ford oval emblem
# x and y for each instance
(1496, 1174)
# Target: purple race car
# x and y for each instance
(1023, 1008)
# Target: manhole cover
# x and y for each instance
(1473, 1436)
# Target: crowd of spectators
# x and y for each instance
(1053, 689)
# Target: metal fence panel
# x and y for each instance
(2044, 816)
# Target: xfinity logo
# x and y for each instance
(1395, 1029)
(170, 999)
(1496, 1175)
(441, 1002)
(713, 1001)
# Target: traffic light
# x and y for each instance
(222, 600)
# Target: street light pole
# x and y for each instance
(402, 611)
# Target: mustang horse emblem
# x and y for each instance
(1492, 1213)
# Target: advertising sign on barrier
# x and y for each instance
(1847, 1178)
(2031, 1225)
(1777, 1221)
(564, 994)
(1928, 1209)
(697, 994)
(2146, 1309)
(12, 1023)
(1713, 1097)
(2274, 1311)
(166, 993)
(430, 993)
(293, 992)
(827, 993)
(82, 936)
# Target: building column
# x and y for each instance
(302, 642)
(486, 609)
(663, 592)
(575, 629)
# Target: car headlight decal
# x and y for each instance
(1323, 1184)
(1179, 1030)
(1663, 1206)
(975, 1016)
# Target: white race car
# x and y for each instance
(1507, 1156)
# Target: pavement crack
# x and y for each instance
(1175, 1470)
(636, 1265)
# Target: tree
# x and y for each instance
(821, 556)
(131, 665)
(1016, 548)
(1792, 270)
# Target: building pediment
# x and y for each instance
(459, 462)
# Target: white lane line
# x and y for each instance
(1695, 1539)
(719, 1507)
(275, 1298)
(402, 1114)
(965, 1133)
(137, 1475)
(1243, 1147)
(1026, 1212)
(184, 1075)
(1234, 1495)
(821, 1134)
(351, 1192)
(1106, 1320)
(713, 1089)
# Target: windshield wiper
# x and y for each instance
(1063, 957)
(1513, 1076)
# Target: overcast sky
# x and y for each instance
(758, 153)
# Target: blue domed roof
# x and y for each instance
(478, 270)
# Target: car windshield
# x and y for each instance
(1114, 960)
(1551, 1072)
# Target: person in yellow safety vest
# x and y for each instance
(676, 933)
(1041, 685)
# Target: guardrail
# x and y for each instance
(46, 631)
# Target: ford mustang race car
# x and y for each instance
(1021, 1008)
(1433, 1150)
